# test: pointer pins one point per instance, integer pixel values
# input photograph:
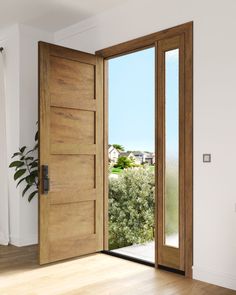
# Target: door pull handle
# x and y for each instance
(46, 180)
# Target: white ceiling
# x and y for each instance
(51, 15)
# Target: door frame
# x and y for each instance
(139, 44)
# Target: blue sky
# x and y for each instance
(131, 100)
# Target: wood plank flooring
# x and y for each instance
(95, 274)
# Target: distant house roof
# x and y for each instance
(112, 148)
(151, 155)
(142, 154)
(126, 154)
(138, 153)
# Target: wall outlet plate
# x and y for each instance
(206, 158)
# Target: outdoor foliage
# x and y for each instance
(131, 207)
(119, 147)
(26, 169)
(124, 162)
(116, 170)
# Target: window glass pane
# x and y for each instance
(172, 148)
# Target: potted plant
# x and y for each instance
(26, 169)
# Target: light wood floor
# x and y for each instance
(95, 274)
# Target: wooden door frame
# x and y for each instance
(136, 45)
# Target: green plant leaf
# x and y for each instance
(32, 195)
(16, 164)
(30, 179)
(36, 136)
(33, 164)
(22, 149)
(19, 173)
(33, 149)
(34, 172)
(25, 190)
(29, 158)
(16, 154)
(20, 181)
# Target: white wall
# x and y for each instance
(21, 58)
(29, 38)
(10, 42)
(214, 111)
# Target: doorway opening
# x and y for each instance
(171, 116)
(131, 155)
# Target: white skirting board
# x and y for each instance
(214, 277)
(25, 241)
(3, 240)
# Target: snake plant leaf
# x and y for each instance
(25, 190)
(32, 195)
(16, 164)
(19, 173)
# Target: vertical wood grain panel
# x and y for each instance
(71, 144)
(105, 155)
(44, 127)
(189, 151)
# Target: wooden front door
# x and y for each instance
(70, 152)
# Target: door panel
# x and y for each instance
(70, 172)
(71, 78)
(71, 144)
(72, 126)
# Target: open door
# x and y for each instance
(70, 153)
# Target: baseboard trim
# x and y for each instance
(4, 240)
(213, 277)
(25, 241)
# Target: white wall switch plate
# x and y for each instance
(206, 158)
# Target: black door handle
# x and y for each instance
(46, 180)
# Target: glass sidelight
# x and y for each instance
(170, 114)
(171, 190)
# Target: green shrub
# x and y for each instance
(131, 207)
(124, 162)
(116, 170)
